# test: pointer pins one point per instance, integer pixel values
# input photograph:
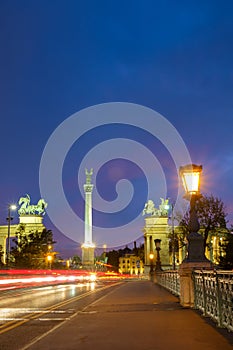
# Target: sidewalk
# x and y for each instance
(136, 315)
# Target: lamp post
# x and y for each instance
(173, 239)
(151, 273)
(49, 253)
(151, 256)
(49, 259)
(158, 261)
(9, 218)
(190, 175)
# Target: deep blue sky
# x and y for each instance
(58, 57)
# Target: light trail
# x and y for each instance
(36, 314)
(28, 277)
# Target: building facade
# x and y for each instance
(131, 264)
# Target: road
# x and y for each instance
(26, 314)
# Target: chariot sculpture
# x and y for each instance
(149, 208)
(26, 208)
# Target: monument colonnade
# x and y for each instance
(30, 223)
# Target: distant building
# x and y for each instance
(131, 264)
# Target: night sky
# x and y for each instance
(61, 57)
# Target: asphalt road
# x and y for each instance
(28, 313)
(138, 315)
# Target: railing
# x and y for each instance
(169, 280)
(213, 295)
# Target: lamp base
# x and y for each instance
(196, 249)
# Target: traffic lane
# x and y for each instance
(15, 306)
(142, 314)
(16, 334)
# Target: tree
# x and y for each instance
(113, 259)
(139, 252)
(211, 216)
(76, 262)
(1, 256)
(226, 259)
(31, 250)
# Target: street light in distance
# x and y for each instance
(158, 261)
(151, 256)
(9, 218)
(49, 259)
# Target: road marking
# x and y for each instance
(60, 324)
(53, 319)
(35, 315)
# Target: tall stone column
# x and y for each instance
(88, 247)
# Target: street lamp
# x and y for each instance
(49, 253)
(158, 261)
(49, 258)
(173, 240)
(190, 175)
(151, 256)
(9, 218)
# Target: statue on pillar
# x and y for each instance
(26, 208)
(88, 175)
(149, 208)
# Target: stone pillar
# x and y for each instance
(186, 281)
(88, 214)
(195, 260)
(88, 256)
(32, 222)
(88, 247)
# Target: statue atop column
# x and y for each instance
(149, 208)
(88, 175)
(26, 208)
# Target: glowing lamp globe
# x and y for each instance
(190, 175)
(13, 207)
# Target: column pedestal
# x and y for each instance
(186, 282)
(88, 257)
